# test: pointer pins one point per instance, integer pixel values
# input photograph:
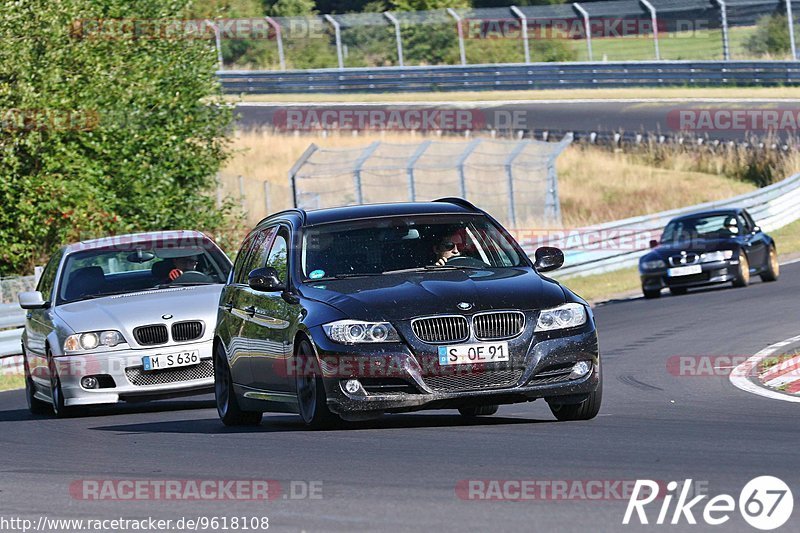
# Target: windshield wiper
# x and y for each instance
(344, 276)
(431, 268)
(177, 285)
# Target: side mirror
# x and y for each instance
(548, 258)
(653, 243)
(757, 229)
(265, 280)
(32, 300)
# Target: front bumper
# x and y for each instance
(711, 274)
(395, 380)
(130, 381)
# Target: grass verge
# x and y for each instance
(659, 93)
(11, 382)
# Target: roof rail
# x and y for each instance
(297, 210)
(459, 202)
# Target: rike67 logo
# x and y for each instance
(765, 503)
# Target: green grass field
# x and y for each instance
(11, 382)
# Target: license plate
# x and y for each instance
(463, 354)
(170, 360)
(684, 271)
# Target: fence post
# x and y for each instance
(460, 35)
(588, 28)
(279, 38)
(298, 164)
(512, 212)
(357, 170)
(462, 179)
(726, 47)
(553, 205)
(266, 197)
(338, 33)
(241, 194)
(790, 19)
(524, 20)
(412, 186)
(397, 36)
(654, 19)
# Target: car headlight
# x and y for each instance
(565, 316)
(355, 332)
(652, 265)
(91, 340)
(721, 255)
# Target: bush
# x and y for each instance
(102, 135)
(771, 36)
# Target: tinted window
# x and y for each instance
(278, 255)
(259, 249)
(48, 278)
(702, 227)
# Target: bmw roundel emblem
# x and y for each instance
(166, 317)
(465, 306)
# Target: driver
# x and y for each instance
(447, 248)
(731, 225)
(181, 265)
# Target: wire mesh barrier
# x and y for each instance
(614, 30)
(11, 286)
(513, 180)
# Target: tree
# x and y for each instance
(106, 128)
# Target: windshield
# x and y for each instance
(720, 226)
(380, 246)
(141, 266)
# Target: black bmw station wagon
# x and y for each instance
(352, 312)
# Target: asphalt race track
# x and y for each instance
(602, 117)
(400, 473)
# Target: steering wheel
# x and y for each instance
(465, 260)
(192, 276)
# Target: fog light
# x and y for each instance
(352, 386)
(90, 382)
(580, 369)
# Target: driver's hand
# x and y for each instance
(175, 274)
(441, 261)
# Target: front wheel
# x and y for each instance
(35, 405)
(586, 410)
(649, 294)
(60, 408)
(227, 405)
(742, 278)
(312, 402)
(773, 267)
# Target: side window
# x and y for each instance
(745, 224)
(238, 265)
(48, 278)
(750, 222)
(278, 255)
(258, 252)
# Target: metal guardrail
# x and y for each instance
(12, 318)
(514, 77)
(627, 240)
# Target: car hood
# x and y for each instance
(405, 296)
(698, 246)
(127, 311)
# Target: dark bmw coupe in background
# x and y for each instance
(708, 248)
(352, 312)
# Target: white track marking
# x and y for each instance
(739, 376)
(495, 103)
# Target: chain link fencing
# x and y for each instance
(515, 181)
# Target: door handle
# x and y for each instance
(228, 306)
(250, 310)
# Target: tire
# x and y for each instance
(35, 405)
(677, 291)
(773, 267)
(60, 408)
(743, 275)
(312, 402)
(585, 410)
(225, 397)
(651, 294)
(483, 410)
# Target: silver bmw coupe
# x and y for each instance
(129, 318)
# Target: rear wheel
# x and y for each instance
(483, 410)
(227, 405)
(677, 291)
(35, 405)
(743, 275)
(651, 293)
(773, 267)
(585, 410)
(312, 401)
